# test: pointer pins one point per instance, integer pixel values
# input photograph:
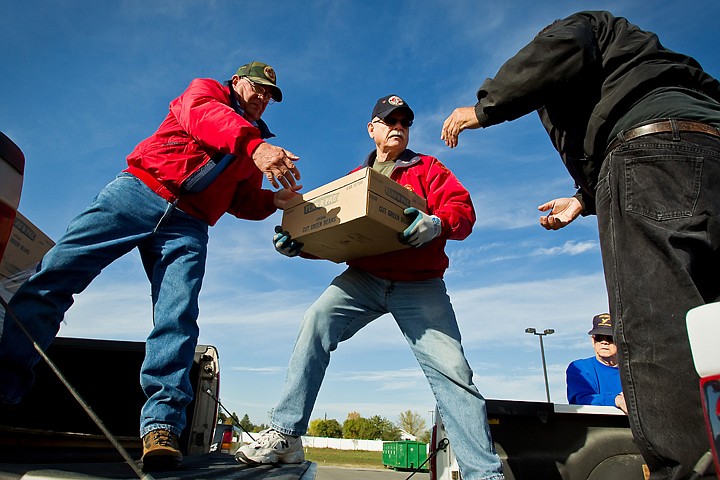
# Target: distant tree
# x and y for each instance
(411, 422)
(354, 415)
(373, 428)
(246, 424)
(354, 427)
(227, 419)
(325, 428)
(233, 419)
(261, 427)
(383, 429)
(424, 437)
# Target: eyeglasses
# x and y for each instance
(603, 338)
(391, 122)
(263, 92)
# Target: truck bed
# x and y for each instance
(106, 373)
(204, 466)
(49, 436)
(538, 440)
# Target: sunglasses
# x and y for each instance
(391, 122)
(263, 92)
(603, 338)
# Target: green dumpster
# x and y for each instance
(404, 455)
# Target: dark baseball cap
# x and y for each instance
(388, 104)
(602, 325)
(263, 74)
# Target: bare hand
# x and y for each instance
(276, 163)
(620, 402)
(283, 196)
(561, 212)
(460, 119)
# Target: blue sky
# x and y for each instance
(84, 81)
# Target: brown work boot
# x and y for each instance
(161, 451)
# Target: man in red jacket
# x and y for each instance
(407, 284)
(207, 157)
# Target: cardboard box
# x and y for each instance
(355, 216)
(25, 248)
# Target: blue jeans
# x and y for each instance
(658, 207)
(425, 316)
(173, 246)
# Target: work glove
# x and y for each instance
(285, 244)
(423, 228)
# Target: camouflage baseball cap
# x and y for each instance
(263, 74)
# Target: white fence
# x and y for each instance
(336, 443)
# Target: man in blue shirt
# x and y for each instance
(596, 380)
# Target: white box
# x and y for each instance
(25, 248)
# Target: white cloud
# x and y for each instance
(499, 314)
(570, 247)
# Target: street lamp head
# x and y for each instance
(530, 330)
(549, 331)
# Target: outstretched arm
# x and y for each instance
(284, 195)
(277, 164)
(561, 212)
(462, 118)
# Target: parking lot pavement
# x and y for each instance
(340, 473)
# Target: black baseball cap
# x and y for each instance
(388, 104)
(602, 325)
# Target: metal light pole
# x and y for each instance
(547, 331)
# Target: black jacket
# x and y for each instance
(582, 74)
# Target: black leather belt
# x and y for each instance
(663, 127)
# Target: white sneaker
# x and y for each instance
(272, 447)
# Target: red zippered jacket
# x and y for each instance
(201, 123)
(446, 198)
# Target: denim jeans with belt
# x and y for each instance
(173, 247)
(423, 311)
(658, 207)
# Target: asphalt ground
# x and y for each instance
(341, 473)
